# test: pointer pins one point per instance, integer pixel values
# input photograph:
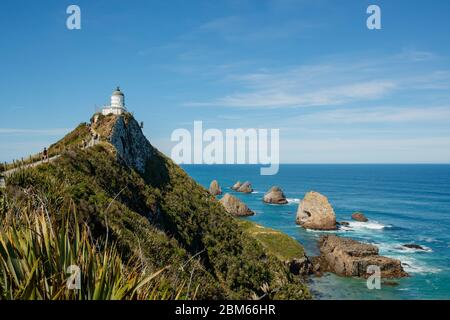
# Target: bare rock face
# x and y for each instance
(348, 257)
(246, 187)
(236, 186)
(300, 266)
(315, 212)
(132, 146)
(235, 206)
(358, 216)
(275, 196)
(214, 188)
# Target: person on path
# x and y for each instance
(45, 154)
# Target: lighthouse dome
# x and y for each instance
(117, 92)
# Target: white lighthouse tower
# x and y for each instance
(117, 106)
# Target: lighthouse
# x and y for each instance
(117, 106)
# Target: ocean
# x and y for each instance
(405, 204)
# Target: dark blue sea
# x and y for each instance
(405, 204)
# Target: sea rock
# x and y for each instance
(214, 188)
(275, 196)
(300, 266)
(348, 257)
(343, 223)
(236, 186)
(235, 206)
(358, 216)
(414, 246)
(246, 187)
(315, 212)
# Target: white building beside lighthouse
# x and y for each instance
(117, 106)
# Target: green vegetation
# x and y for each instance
(161, 218)
(37, 254)
(277, 243)
(72, 140)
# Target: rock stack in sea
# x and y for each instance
(315, 212)
(236, 186)
(275, 196)
(214, 188)
(235, 207)
(348, 257)
(245, 187)
(358, 216)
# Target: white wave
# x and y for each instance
(255, 192)
(293, 200)
(371, 225)
(320, 231)
(412, 265)
(400, 248)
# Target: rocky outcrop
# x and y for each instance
(300, 266)
(214, 188)
(236, 186)
(132, 146)
(348, 257)
(315, 212)
(246, 187)
(414, 246)
(275, 196)
(235, 207)
(358, 216)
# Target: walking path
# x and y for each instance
(95, 139)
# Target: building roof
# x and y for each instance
(117, 92)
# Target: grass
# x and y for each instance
(277, 243)
(37, 258)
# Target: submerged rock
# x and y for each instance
(275, 196)
(358, 216)
(315, 212)
(214, 188)
(348, 257)
(235, 206)
(246, 187)
(414, 246)
(343, 223)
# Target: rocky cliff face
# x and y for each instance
(132, 146)
(348, 257)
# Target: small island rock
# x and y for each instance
(275, 196)
(246, 187)
(235, 207)
(214, 188)
(351, 258)
(358, 216)
(315, 212)
(236, 186)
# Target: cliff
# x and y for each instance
(129, 193)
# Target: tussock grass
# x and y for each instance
(36, 256)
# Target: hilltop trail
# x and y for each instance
(94, 141)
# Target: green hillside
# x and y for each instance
(158, 216)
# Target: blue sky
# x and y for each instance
(338, 92)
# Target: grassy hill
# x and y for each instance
(128, 194)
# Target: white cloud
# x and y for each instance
(380, 115)
(338, 82)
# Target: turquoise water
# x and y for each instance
(405, 204)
